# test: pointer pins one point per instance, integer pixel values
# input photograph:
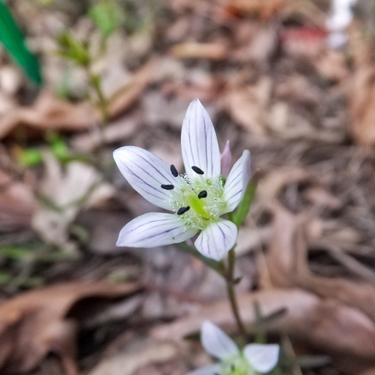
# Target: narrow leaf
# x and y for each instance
(14, 42)
(243, 208)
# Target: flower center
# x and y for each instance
(196, 199)
(197, 203)
(236, 365)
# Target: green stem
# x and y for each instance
(97, 86)
(227, 274)
(95, 83)
(232, 293)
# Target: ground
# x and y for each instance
(124, 74)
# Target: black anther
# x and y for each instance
(167, 187)
(202, 194)
(174, 171)
(182, 210)
(197, 170)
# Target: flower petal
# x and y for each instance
(145, 172)
(217, 239)
(199, 144)
(154, 229)
(237, 181)
(216, 342)
(207, 370)
(262, 357)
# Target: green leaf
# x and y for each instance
(58, 145)
(73, 49)
(244, 207)
(15, 252)
(30, 157)
(4, 278)
(14, 42)
(107, 16)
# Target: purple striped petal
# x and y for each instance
(199, 144)
(154, 229)
(237, 181)
(145, 172)
(263, 358)
(216, 342)
(217, 239)
(207, 370)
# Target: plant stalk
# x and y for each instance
(102, 101)
(232, 293)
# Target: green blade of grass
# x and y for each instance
(14, 42)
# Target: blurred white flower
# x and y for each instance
(198, 198)
(253, 359)
(340, 17)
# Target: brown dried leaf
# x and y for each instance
(80, 186)
(35, 324)
(322, 197)
(49, 112)
(362, 105)
(247, 105)
(116, 131)
(287, 267)
(332, 65)
(256, 42)
(154, 352)
(17, 202)
(321, 324)
(271, 185)
(125, 97)
(211, 51)
(264, 9)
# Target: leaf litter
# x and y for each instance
(272, 84)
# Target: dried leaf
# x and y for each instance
(129, 363)
(247, 105)
(49, 112)
(125, 97)
(265, 9)
(287, 266)
(17, 202)
(362, 105)
(35, 324)
(62, 195)
(116, 131)
(191, 50)
(319, 323)
(271, 185)
(322, 197)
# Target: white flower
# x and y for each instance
(198, 198)
(255, 358)
(341, 15)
